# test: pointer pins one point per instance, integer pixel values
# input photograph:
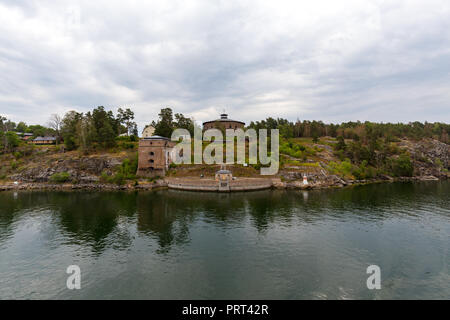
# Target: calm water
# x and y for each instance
(261, 245)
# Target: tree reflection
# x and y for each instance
(109, 219)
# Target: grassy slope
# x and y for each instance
(308, 162)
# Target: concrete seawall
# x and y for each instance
(210, 185)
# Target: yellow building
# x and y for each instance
(148, 132)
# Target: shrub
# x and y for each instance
(256, 166)
(153, 179)
(60, 177)
(364, 171)
(172, 165)
(127, 145)
(28, 150)
(12, 139)
(129, 167)
(69, 142)
(118, 179)
(315, 138)
(17, 155)
(14, 165)
(126, 171)
(294, 150)
(105, 177)
(344, 168)
(402, 166)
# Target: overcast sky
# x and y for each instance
(326, 60)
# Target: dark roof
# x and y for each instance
(223, 171)
(157, 138)
(24, 134)
(223, 118)
(44, 138)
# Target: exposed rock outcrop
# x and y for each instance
(431, 157)
(83, 170)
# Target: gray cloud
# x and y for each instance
(371, 60)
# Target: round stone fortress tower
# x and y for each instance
(223, 123)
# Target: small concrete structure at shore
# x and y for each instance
(224, 177)
(210, 184)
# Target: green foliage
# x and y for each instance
(256, 166)
(364, 171)
(128, 168)
(38, 130)
(126, 142)
(97, 129)
(14, 164)
(128, 145)
(71, 127)
(104, 127)
(344, 168)
(166, 124)
(12, 140)
(302, 164)
(153, 179)
(402, 166)
(126, 171)
(439, 163)
(367, 132)
(125, 118)
(341, 143)
(17, 154)
(60, 177)
(296, 149)
(22, 127)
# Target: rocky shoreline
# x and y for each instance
(161, 184)
(41, 186)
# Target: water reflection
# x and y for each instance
(267, 244)
(91, 218)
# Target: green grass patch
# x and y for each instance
(60, 177)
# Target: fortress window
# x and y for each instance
(151, 160)
(152, 153)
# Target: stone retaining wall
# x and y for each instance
(243, 184)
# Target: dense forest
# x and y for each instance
(365, 150)
(358, 131)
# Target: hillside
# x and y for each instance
(429, 160)
(41, 163)
(320, 161)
